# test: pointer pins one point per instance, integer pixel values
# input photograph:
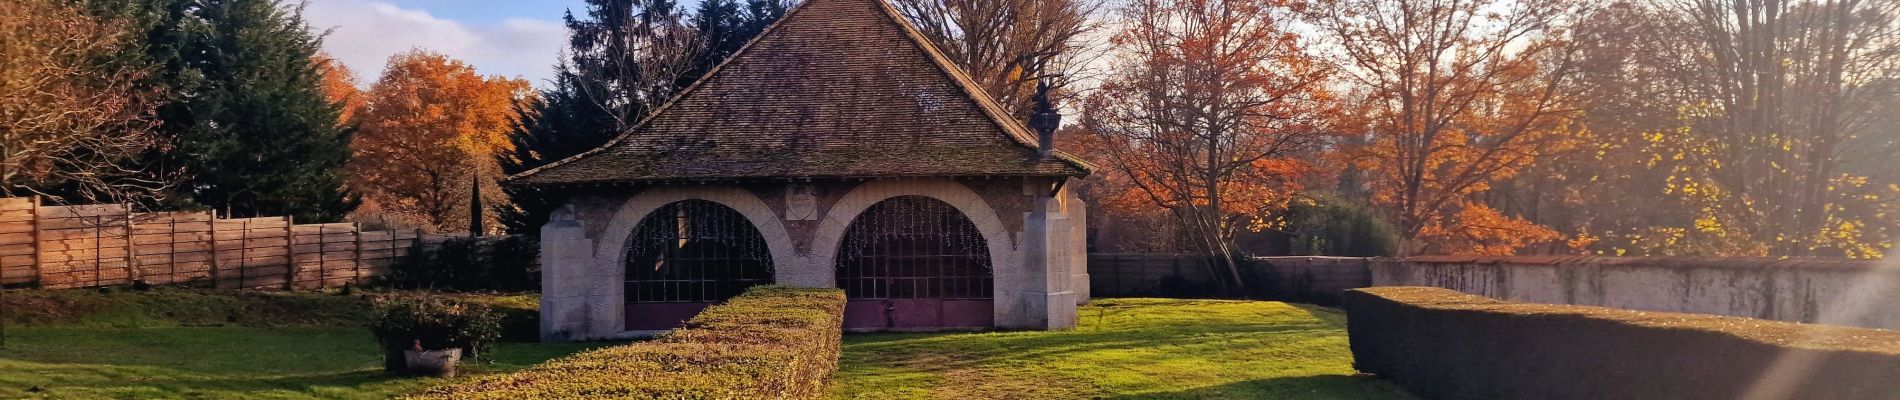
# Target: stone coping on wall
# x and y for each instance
(1608, 261)
(1671, 262)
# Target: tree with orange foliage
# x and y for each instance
(1458, 94)
(431, 126)
(339, 84)
(1209, 111)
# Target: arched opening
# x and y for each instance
(686, 256)
(913, 262)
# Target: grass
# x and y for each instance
(219, 363)
(1123, 349)
(188, 344)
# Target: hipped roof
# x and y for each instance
(834, 89)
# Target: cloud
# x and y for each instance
(364, 33)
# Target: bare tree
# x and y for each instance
(631, 56)
(1010, 46)
(71, 114)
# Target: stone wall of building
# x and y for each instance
(1035, 242)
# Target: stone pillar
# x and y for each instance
(1040, 297)
(567, 256)
(1078, 248)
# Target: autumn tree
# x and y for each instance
(74, 115)
(1209, 112)
(1010, 46)
(1613, 194)
(1122, 218)
(1457, 95)
(1699, 139)
(431, 128)
(1788, 86)
(340, 86)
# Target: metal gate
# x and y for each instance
(915, 263)
(686, 256)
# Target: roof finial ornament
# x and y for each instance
(1044, 119)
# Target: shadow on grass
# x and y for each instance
(1299, 387)
(213, 363)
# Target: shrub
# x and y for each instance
(1331, 227)
(771, 342)
(1441, 344)
(471, 264)
(435, 323)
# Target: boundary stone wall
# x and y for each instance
(1834, 292)
(1824, 291)
(1316, 280)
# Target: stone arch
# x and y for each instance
(830, 233)
(611, 254)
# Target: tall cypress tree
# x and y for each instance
(599, 89)
(250, 130)
(559, 123)
(724, 26)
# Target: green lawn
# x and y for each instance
(217, 363)
(194, 344)
(1124, 348)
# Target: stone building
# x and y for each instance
(839, 149)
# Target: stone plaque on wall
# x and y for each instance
(800, 203)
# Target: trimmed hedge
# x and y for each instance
(1442, 344)
(506, 263)
(772, 342)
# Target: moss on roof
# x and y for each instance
(836, 88)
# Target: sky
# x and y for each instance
(513, 38)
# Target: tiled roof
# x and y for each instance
(836, 88)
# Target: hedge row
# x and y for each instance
(1442, 344)
(769, 343)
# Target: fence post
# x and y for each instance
(356, 264)
(132, 272)
(217, 277)
(39, 280)
(323, 264)
(290, 253)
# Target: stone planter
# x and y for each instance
(439, 363)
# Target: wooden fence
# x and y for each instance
(61, 247)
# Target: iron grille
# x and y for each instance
(914, 247)
(695, 251)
